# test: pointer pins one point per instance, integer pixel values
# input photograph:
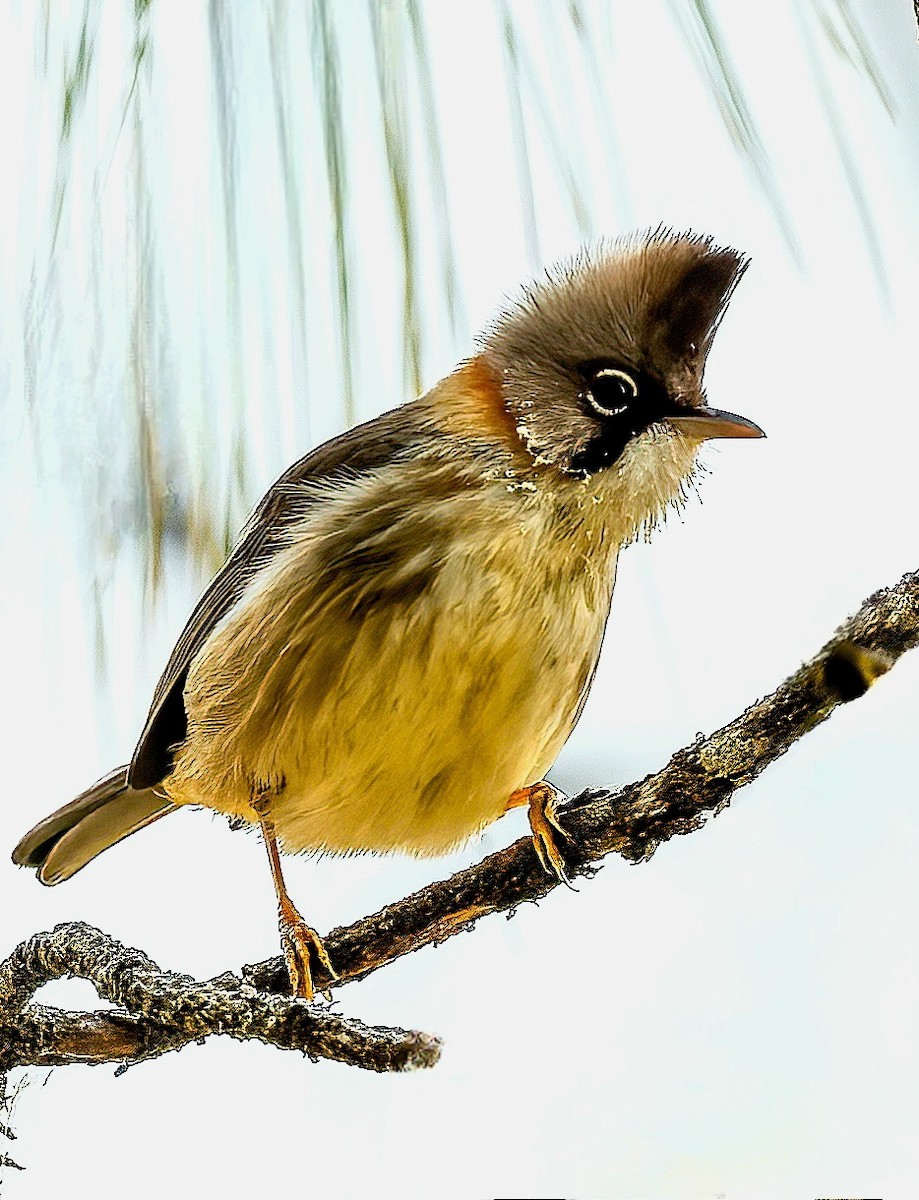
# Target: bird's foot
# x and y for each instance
(541, 799)
(299, 942)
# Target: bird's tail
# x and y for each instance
(110, 810)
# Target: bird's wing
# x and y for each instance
(361, 449)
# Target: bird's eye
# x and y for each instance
(610, 392)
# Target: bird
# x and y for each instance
(406, 631)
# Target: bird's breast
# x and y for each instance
(397, 675)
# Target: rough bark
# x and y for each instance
(161, 1011)
(174, 1010)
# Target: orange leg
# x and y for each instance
(298, 940)
(541, 799)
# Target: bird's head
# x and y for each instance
(600, 362)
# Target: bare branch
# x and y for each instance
(177, 1010)
(699, 780)
(162, 1011)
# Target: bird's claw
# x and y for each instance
(544, 825)
(299, 942)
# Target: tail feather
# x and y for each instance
(104, 814)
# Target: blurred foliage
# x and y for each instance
(165, 399)
(705, 40)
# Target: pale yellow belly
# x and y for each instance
(405, 731)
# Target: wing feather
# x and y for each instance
(364, 448)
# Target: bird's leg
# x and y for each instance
(298, 940)
(541, 799)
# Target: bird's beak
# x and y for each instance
(712, 423)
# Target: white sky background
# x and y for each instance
(737, 1016)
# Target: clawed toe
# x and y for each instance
(300, 942)
(544, 825)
